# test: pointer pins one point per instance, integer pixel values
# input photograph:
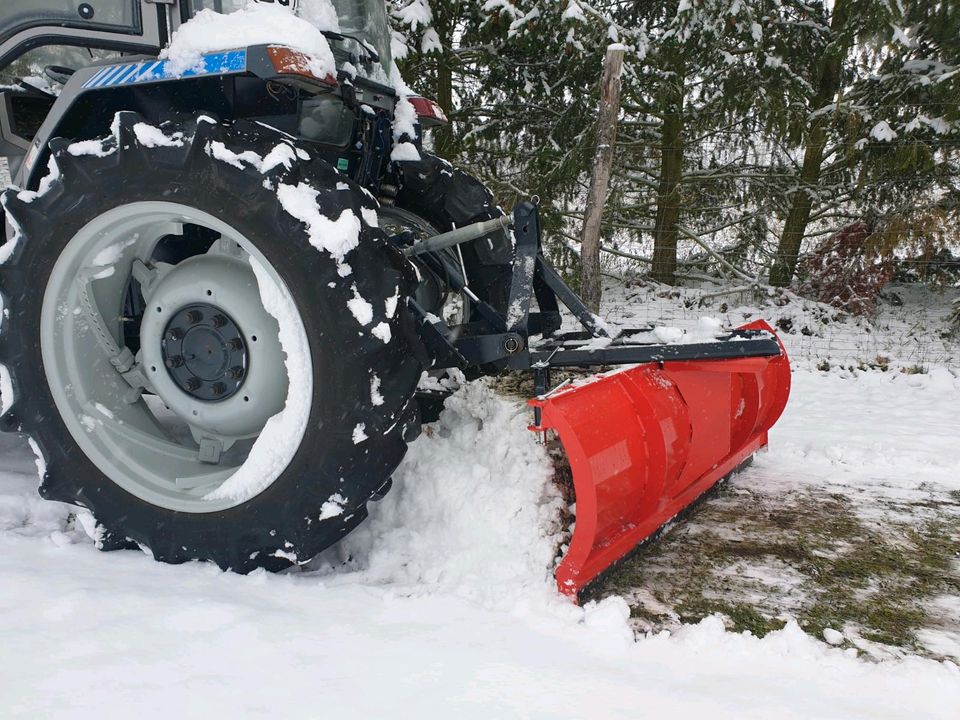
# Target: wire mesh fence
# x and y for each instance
(911, 330)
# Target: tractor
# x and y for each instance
(231, 267)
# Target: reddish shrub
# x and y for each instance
(847, 270)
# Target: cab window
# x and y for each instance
(19, 15)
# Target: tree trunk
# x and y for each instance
(801, 203)
(801, 200)
(444, 22)
(600, 182)
(443, 134)
(665, 230)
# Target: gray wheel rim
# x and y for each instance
(166, 446)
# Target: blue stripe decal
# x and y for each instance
(220, 63)
(125, 73)
(111, 72)
(99, 74)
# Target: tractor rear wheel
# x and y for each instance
(208, 342)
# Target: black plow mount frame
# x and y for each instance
(496, 341)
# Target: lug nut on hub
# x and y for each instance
(193, 384)
(194, 317)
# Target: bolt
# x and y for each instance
(174, 362)
(236, 344)
(219, 389)
(193, 384)
(235, 373)
(219, 320)
(194, 316)
(176, 333)
(512, 345)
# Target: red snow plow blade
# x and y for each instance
(645, 442)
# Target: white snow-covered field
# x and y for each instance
(445, 606)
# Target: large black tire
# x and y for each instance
(285, 523)
(447, 197)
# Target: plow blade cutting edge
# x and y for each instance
(646, 441)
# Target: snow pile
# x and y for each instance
(707, 329)
(883, 132)
(95, 148)
(282, 154)
(256, 24)
(404, 130)
(381, 331)
(404, 119)
(405, 151)
(8, 248)
(360, 308)
(472, 510)
(872, 427)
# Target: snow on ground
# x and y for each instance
(445, 611)
(441, 604)
(445, 608)
(848, 523)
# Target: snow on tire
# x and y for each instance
(259, 241)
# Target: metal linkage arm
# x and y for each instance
(569, 298)
(458, 236)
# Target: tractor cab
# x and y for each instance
(119, 25)
(144, 26)
(42, 42)
(66, 67)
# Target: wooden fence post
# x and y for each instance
(600, 181)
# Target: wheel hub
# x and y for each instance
(211, 350)
(204, 352)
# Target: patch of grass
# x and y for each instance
(899, 568)
(846, 571)
(741, 616)
(792, 553)
(514, 384)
